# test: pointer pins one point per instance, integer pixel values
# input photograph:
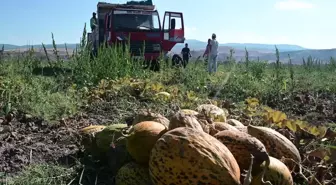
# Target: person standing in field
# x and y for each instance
(207, 50)
(93, 21)
(212, 63)
(94, 25)
(185, 55)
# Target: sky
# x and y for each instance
(308, 23)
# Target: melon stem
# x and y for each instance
(248, 177)
(268, 161)
(126, 131)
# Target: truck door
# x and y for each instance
(108, 25)
(173, 27)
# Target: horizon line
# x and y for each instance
(242, 43)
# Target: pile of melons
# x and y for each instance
(193, 147)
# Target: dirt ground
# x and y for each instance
(26, 141)
(316, 108)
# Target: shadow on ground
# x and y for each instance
(50, 71)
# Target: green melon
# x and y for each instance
(111, 146)
(133, 174)
(110, 137)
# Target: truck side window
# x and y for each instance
(172, 24)
(177, 21)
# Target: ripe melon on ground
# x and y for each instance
(277, 173)
(133, 174)
(277, 145)
(201, 118)
(241, 128)
(187, 156)
(189, 112)
(235, 122)
(242, 145)
(220, 126)
(147, 115)
(212, 111)
(180, 119)
(141, 139)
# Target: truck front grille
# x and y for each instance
(140, 47)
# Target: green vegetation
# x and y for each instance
(59, 89)
(43, 174)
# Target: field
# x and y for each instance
(45, 103)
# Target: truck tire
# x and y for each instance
(152, 65)
(145, 64)
(155, 65)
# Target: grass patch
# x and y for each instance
(53, 89)
(42, 175)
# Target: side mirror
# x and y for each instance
(172, 24)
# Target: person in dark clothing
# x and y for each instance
(94, 25)
(185, 55)
(93, 21)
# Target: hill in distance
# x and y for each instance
(200, 45)
(37, 46)
(261, 51)
(256, 50)
(193, 44)
(320, 54)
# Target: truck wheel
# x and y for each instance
(145, 64)
(93, 54)
(177, 60)
(154, 65)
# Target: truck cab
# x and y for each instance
(140, 27)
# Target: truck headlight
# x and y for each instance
(156, 47)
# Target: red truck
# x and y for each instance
(140, 26)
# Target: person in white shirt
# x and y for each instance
(212, 61)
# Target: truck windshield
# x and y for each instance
(136, 20)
